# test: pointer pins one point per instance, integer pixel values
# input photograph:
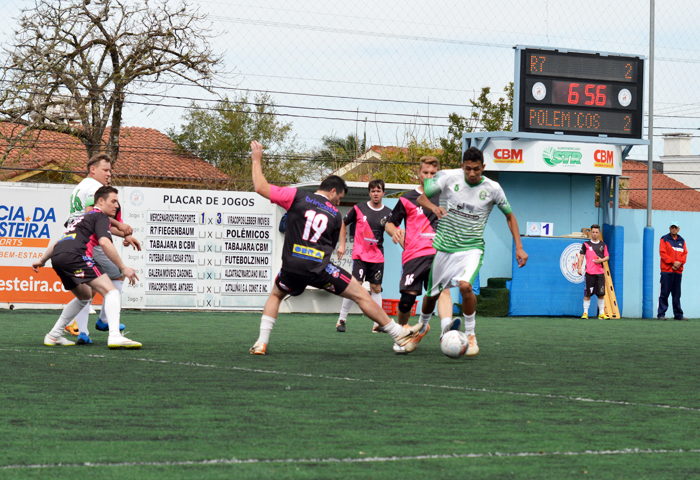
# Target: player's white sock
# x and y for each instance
(81, 319)
(119, 285)
(469, 323)
(377, 297)
(266, 324)
(111, 307)
(67, 315)
(345, 309)
(424, 319)
(586, 304)
(393, 329)
(601, 306)
(445, 322)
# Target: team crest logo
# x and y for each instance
(330, 287)
(79, 273)
(333, 270)
(89, 261)
(568, 263)
(483, 195)
(136, 198)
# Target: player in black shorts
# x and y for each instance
(595, 252)
(313, 227)
(71, 258)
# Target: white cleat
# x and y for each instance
(409, 333)
(473, 347)
(258, 349)
(60, 341)
(119, 341)
(399, 350)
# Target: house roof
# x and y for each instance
(667, 193)
(146, 157)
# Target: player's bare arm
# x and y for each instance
(397, 234)
(520, 254)
(111, 252)
(425, 202)
(259, 180)
(44, 258)
(341, 240)
(580, 264)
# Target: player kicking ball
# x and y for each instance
(313, 228)
(466, 201)
(71, 258)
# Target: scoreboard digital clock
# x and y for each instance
(578, 93)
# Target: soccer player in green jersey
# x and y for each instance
(466, 201)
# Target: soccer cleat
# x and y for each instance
(682, 319)
(72, 328)
(419, 336)
(473, 347)
(404, 340)
(453, 325)
(84, 339)
(399, 350)
(258, 348)
(603, 316)
(377, 329)
(340, 326)
(120, 341)
(585, 316)
(60, 341)
(104, 327)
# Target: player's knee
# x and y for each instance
(465, 288)
(406, 302)
(375, 288)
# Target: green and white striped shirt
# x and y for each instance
(468, 208)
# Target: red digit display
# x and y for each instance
(572, 93)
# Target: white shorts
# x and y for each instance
(451, 268)
(106, 264)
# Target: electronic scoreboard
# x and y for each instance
(578, 93)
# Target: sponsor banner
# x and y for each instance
(246, 274)
(156, 286)
(246, 288)
(24, 285)
(247, 247)
(251, 260)
(171, 272)
(558, 157)
(248, 220)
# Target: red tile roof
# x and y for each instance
(146, 156)
(667, 193)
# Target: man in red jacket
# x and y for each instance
(673, 252)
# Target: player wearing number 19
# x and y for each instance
(313, 228)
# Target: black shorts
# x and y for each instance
(595, 285)
(74, 269)
(415, 274)
(333, 279)
(372, 272)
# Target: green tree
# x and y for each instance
(336, 151)
(222, 135)
(486, 115)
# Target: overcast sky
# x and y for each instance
(401, 67)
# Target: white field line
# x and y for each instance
(239, 461)
(384, 382)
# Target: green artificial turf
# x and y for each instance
(546, 398)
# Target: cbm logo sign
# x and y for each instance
(508, 155)
(603, 158)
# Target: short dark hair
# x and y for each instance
(103, 192)
(333, 181)
(95, 159)
(595, 226)
(377, 182)
(473, 154)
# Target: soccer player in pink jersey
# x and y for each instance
(313, 227)
(595, 253)
(418, 252)
(368, 246)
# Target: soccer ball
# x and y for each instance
(454, 344)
